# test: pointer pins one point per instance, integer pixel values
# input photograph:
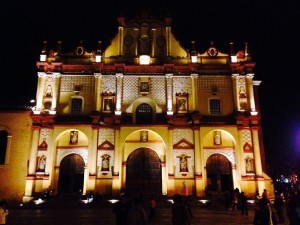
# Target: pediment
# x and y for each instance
(183, 144)
(106, 145)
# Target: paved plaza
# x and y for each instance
(75, 212)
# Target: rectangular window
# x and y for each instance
(76, 106)
(215, 107)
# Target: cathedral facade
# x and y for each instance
(142, 114)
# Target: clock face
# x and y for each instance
(79, 51)
(212, 51)
(160, 41)
(128, 40)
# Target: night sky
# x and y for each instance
(271, 28)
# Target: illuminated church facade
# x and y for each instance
(143, 114)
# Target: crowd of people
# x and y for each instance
(267, 212)
(141, 211)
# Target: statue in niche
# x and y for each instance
(105, 162)
(249, 165)
(41, 163)
(183, 163)
(48, 92)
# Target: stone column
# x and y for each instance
(169, 82)
(40, 91)
(153, 42)
(98, 90)
(249, 78)
(234, 88)
(93, 152)
(120, 40)
(194, 96)
(168, 39)
(56, 83)
(256, 149)
(116, 184)
(33, 151)
(119, 93)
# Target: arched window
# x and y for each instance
(144, 114)
(3, 146)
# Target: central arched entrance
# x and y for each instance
(143, 173)
(219, 176)
(71, 175)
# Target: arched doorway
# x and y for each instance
(219, 176)
(71, 175)
(144, 114)
(143, 172)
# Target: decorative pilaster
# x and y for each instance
(249, 78)
(169, 82)
(168, 38)
(93, 152)
(119, 93)
(120, 40)
(98, 90)
(40, 92)
(195, 106)
(153, 42)
(256, 149)
(33, 151)
(170, 159)
(234, 88)
(56, 83)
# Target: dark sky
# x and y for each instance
(271, 28)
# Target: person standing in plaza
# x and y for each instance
(244, 204)
(152, 208)
(235, 199)
(180, 215)
(3, 212)
(137, 213)
(121, 209)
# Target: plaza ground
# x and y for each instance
(76, 212)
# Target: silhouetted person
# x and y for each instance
(279, 206)
(137, 213)
(235, 199)
(152, 208)
(262, 214)
(120, 209)
(293, 211)
(180, 215)
(243, 203)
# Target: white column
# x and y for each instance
(170, 158)
(51, 153)
(93, 152)
(120, 39)
(249, 78)
(56, 79)
(153, 42)
(198, 155)
(40, 91)
(98, 90)
(169, 81)
(33, 150)
(234, 88)
(136, 41)
(256, 149)
(194, 96)
(119, 93)
(168, 31)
